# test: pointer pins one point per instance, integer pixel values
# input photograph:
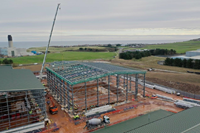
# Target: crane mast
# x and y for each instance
(49, 42)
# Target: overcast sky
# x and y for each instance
(31, 20)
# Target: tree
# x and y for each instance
(118, 45)
(0, 62)
(138, 56)
(10, 61)
(189, 63)
(109, 45)
(171, 62)
(80, 48)
(5, 61)
(85, 48)
(184, 62)
(167, 61)
(196, 64)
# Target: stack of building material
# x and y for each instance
(191, 100)
(165, 97)
(149, 86)
(185, 104)
(98, 110)
(164, 89)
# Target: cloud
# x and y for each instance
(24, 18)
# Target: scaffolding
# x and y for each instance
(78, 86)
(22, 101)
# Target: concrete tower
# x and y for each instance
(10, 42)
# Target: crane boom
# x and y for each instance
(49, 42)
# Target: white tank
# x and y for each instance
(95, 121)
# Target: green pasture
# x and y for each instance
(68, 56)
(180, 47)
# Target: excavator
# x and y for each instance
(53, 109)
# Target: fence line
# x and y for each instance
(184, 93)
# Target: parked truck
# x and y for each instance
(96, 122)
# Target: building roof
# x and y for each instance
(187, 121)
(74, 72)
(135, 122)
(18, 79)
(5, 67)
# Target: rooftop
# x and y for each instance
(187, 121)
(74, 72)
(18, 79)
(135, 122)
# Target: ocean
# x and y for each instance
(70, 43)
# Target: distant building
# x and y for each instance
(193, 53)
(190, 55)
(11, 51)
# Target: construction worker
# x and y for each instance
(74, 117)
(77, 117)
(30, 112)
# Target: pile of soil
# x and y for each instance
(177, 85)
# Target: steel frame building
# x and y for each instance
(78, 86)
(22, 101)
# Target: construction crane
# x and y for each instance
(49, 41)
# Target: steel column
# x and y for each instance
(144, 87)
(117, 86)
(108, 89)
(85, 97)
(72, 100)
(130, 83)
(124, 81)
(127, 88)
(61, 91)
(136, 85)
(64, 93)
(68, 99)
(57, 88)
(97, 92)
(28, 110)
(8, 108)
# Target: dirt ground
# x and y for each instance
(192, 88)
(180, 79)
(145, 105)
(31, 67)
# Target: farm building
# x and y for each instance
(22, 101)
(193, 53)
(78, 86)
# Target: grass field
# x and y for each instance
(68, 56)
(150, 62)
(180, 47)
(53, 49)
